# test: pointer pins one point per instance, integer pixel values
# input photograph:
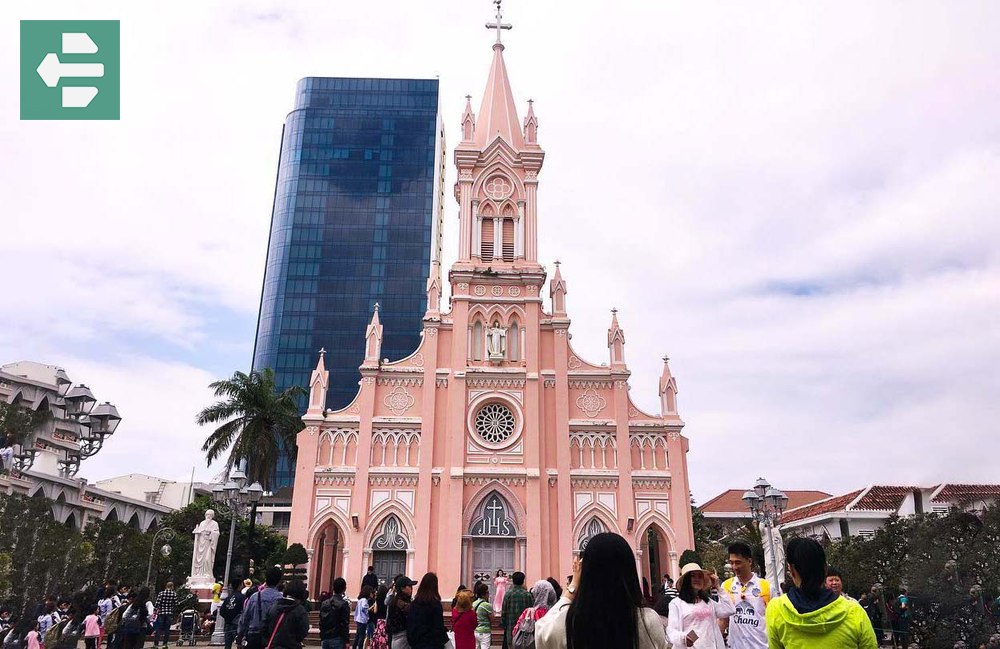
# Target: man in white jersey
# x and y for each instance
(751, 594)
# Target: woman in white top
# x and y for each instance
(694, 614)
(603, 607)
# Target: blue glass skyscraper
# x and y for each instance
(356, 220)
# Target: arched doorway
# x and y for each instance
(389, 549)
(328, 558)
(492, 542)
(655, 556)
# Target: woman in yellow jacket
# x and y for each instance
(810, 615)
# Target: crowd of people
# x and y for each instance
(602, 605)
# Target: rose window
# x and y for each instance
(495, 423)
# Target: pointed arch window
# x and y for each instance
(514, 342)
(594, 527)
(391, 536)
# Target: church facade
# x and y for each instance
(494, 445)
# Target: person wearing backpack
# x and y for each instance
(335, 618)
(286, 624)
(544, 596)
(136, 625)
(230, 611)
(255, 611)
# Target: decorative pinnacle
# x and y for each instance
(614, 311)
(322, 351)
(665, 358)
(376, 306)
(558, 263)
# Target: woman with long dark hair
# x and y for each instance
(425, 623)
(694, 615)
(135, 624)
(810, 615)
(376, 621)
(603, 606)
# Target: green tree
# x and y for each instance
(17, 422)
(258, 423)
(295, 555)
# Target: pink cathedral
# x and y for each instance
(493, 445)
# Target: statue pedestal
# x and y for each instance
(201, 587)
(496, 359)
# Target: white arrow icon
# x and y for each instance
(51, 70)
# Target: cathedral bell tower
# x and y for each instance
(498, 161)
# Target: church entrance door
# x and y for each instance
(388, 564)
(492, 542)
(490, 555)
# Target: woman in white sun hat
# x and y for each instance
(694, 614)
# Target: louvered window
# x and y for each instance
(486, 245)
(508, 240)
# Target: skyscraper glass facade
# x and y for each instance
(356, 220)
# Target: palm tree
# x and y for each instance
(260, 423)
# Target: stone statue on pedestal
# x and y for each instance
(496, 341)
(206, 540)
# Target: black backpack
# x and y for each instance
(132, 622)
(331, 618)
(231, 608)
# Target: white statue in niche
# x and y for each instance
(206, 540)
(496, 341)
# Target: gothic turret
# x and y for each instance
(531, 125)
(557, 291)
(468, 121)
(373, 341)
(616, 342)
(318, 384)
(668, 390)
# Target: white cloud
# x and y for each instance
(704, 164)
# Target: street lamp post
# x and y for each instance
(168, 534)
(232, 498)
(766, 504)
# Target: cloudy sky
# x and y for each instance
(797, 201)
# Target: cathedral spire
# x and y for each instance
(668, 390)
(318, 384)
(497, 113)
(373, 341)
(616, 342)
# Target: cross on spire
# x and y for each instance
(499, 25)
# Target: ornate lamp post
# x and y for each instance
(167, 534)
(94, 423)
(234, 498)
(766, 504)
